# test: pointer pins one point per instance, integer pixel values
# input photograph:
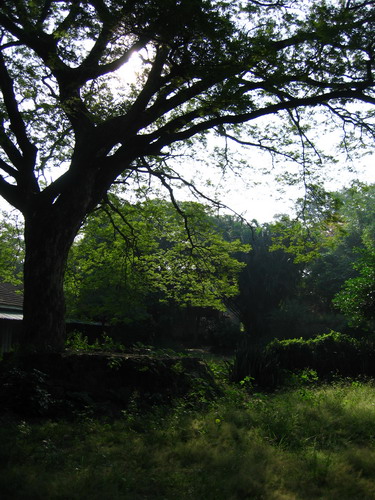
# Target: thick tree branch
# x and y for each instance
(163, 106)
(69, 19)
(91, 68)
(11, 194)
(152, 84)
(10, 149)
(139, 116)
(10, 25)
(44, 13)
(16, 121)
(8, 169)
(53, 190)
(167, 135)
(69, 79)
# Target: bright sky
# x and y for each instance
(267, 199)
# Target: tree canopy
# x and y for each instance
(125, 260)
(206, 64)
(67, 133)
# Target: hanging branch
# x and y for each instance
(131, 242)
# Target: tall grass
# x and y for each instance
(299, 444)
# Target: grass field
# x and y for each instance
(302, 443)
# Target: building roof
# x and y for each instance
(13, 315)
(11, 297)
(11, 304)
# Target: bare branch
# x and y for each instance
(160, 175)
(259, 145)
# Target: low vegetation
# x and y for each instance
(307, 441)
(329, 355)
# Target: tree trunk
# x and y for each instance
(49, 234)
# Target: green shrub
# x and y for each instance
(330, 354)
(78, 342)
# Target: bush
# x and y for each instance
(329, 354)
(24, 391)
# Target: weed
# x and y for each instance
(76, 341)
(247, 382)
(115, 363)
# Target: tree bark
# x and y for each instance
(49, 234)
(50, 228)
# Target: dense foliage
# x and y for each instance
(325, 357)
(133, 259)
(11, 249)
(266, 282)
(357, 297)
(151, 266)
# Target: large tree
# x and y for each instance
(206, 64)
